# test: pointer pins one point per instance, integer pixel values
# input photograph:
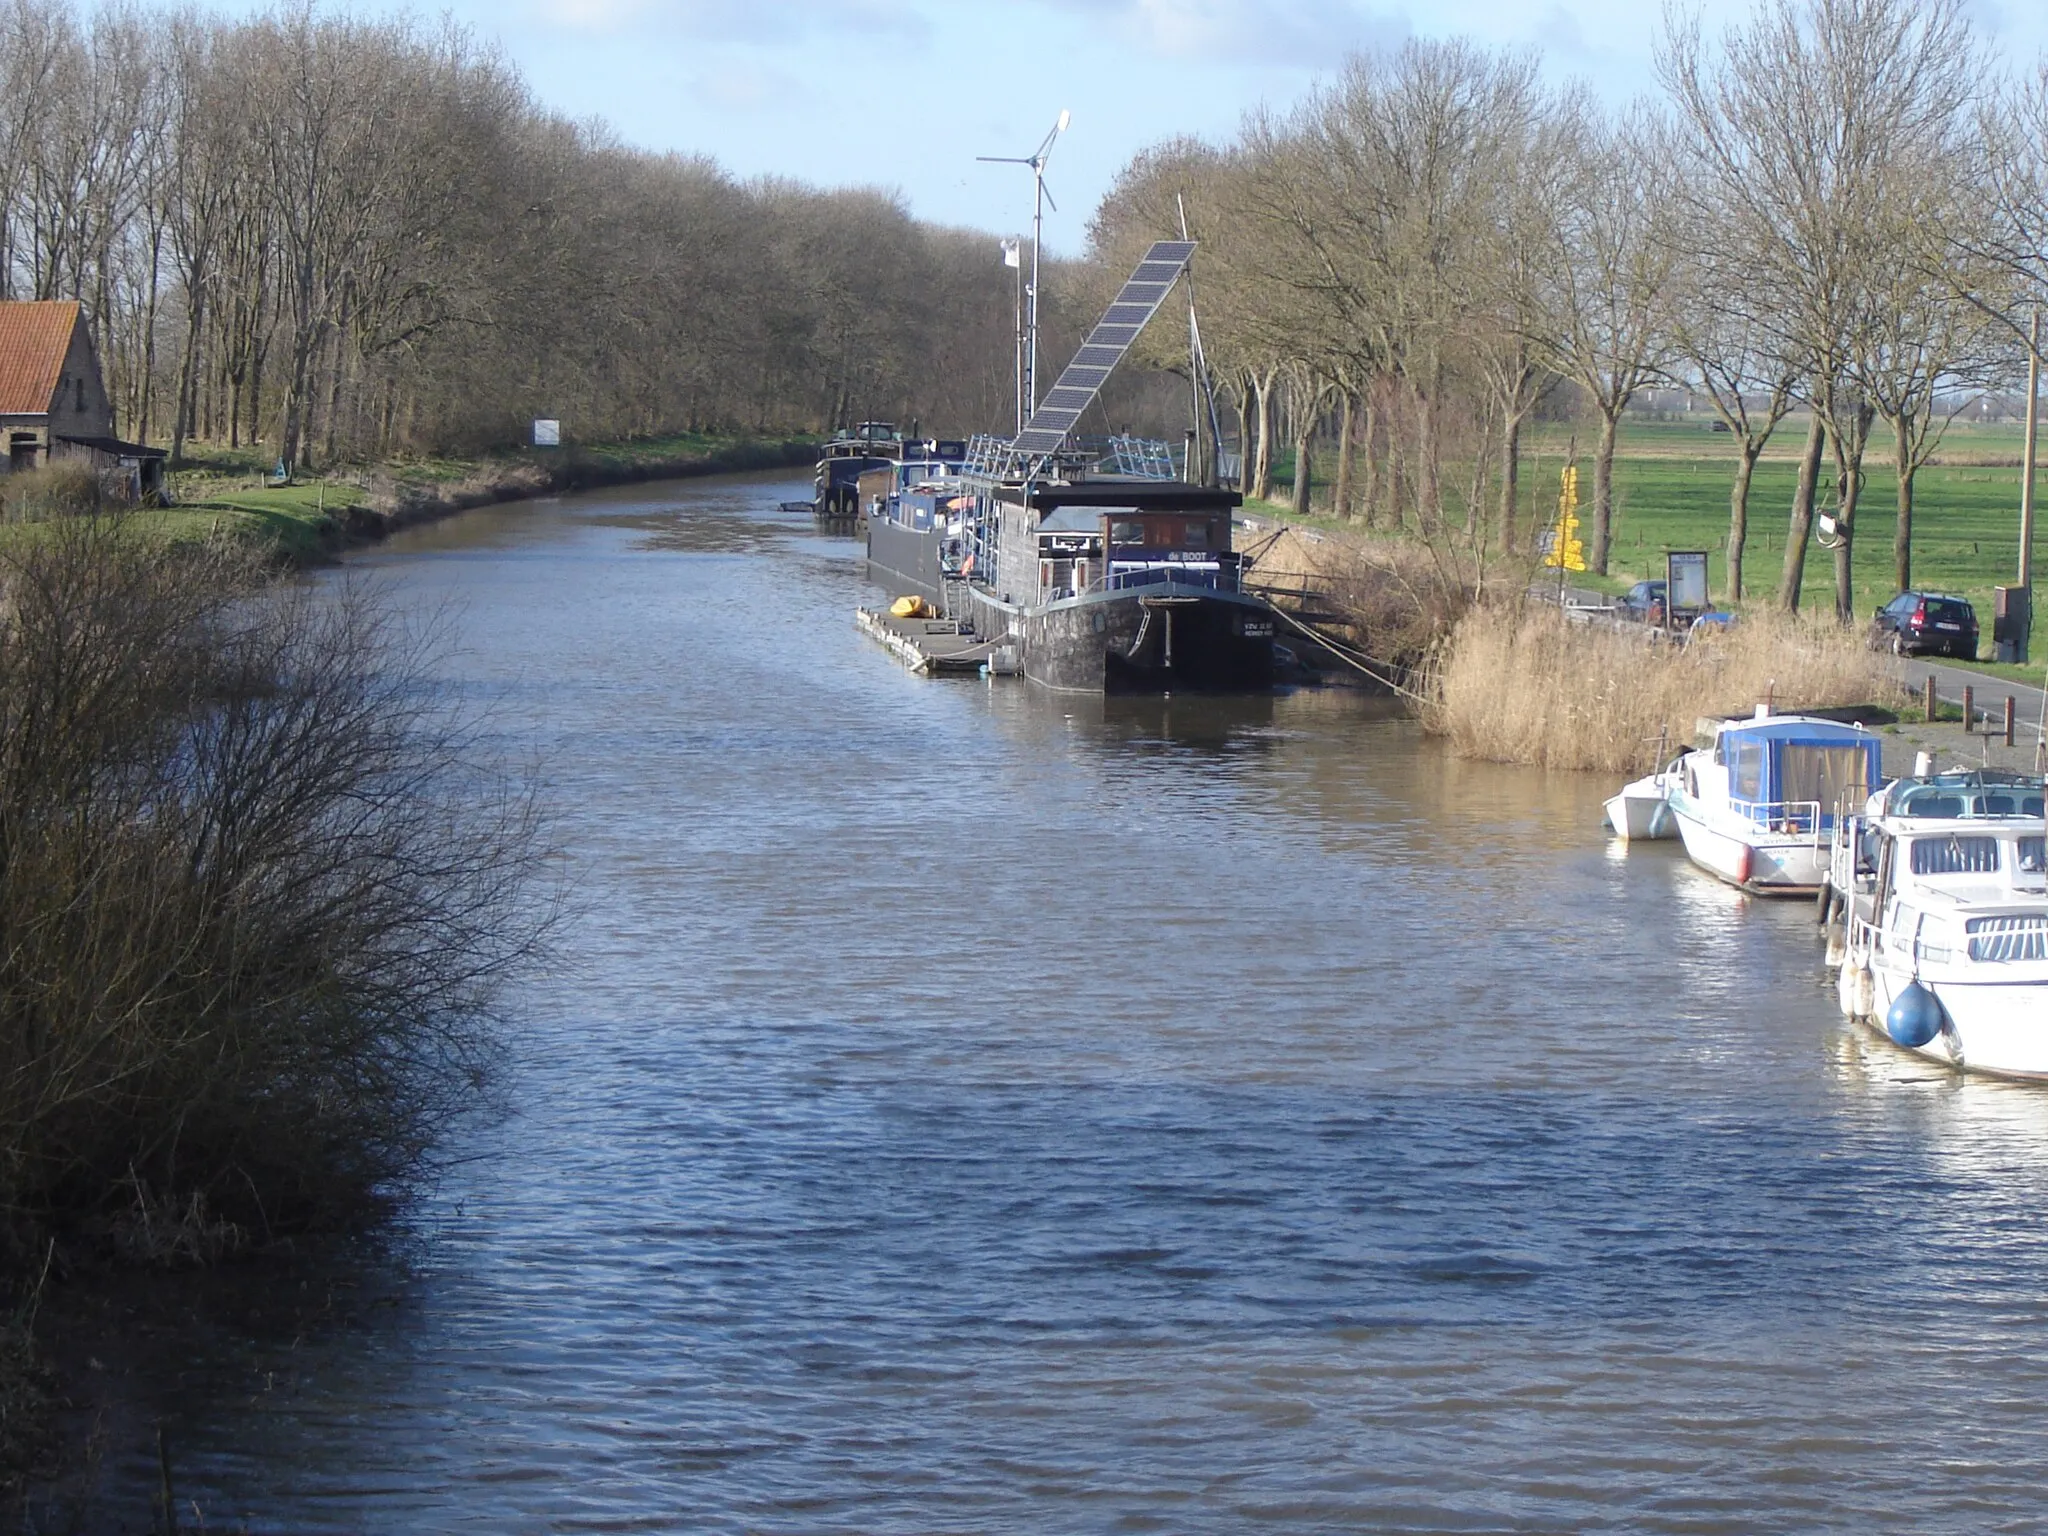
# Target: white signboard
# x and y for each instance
(547, 434)
(1685, 576)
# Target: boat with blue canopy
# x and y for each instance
(1759, 807)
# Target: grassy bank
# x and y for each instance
(1672, 481)
(228, 493)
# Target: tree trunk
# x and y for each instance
(1244, 431)
(1342, 494)
(1902, 536)
(1801, 527)
(1510, 480)
(1369, 490)
(1849, 492)
(1603, 490)
(1738, 516)
(188, 374)
(1301, 463)
(1262, 468)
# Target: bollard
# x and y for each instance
(1931, 708)
(1969, 709)
(2011, 711)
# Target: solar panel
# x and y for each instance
(1137, 302)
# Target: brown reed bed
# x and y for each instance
(1519, 683)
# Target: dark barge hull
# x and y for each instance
(1168, 637)
(906, 560)
(1163, 638)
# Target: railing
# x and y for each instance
(1787, 817)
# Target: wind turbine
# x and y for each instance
(1039, 198)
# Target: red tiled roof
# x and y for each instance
(34, 338)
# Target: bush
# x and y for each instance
(63, 489)
(258, 898)
(1519, 683)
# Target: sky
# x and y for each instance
(903, 94)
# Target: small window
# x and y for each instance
(2001, 939)
(1127, 533)
(2033, 853)
(1955, 855)
(1196, 535)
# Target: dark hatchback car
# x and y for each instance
(1643, 602)
(1917, 622)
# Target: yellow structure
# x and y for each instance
(1564, 548)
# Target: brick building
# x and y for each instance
(54, 405)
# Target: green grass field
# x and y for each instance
(1672, 481)
(1671, 486)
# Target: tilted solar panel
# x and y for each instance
(1136, 303)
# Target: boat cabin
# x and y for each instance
(1063, 540)
(1795, 774)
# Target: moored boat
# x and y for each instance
(1938, 918)
(1103, 575)
(1760, 806)
(1641, 810)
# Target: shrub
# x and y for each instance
(1519, 683)
(257, 893)
(62, 489)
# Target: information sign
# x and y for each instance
(546, 433)
(1685, 582)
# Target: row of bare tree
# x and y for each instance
(345, 237)
(1839, 206)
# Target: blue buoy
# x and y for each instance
(1914, 1017)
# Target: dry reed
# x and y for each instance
(1522, 684)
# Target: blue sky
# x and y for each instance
(905, 93)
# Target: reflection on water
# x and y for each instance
(971, 1109)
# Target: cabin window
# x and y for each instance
(1196, 536)
(1998, 939)
(1836, 778)
(1746, 778)
(1955, 855)
(1127, 533)
(2033, 853)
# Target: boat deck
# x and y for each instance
(929, 646)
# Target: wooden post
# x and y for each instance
(1969, 709)
(1931, 708)
(2011, 712)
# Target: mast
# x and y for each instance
(1039, 198)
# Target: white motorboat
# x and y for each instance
(1938, 916)
(1642, 810)
(1760, 806)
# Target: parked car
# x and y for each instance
(1643, 602)
(1917, 622)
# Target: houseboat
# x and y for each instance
(1760, 806)
(1100, 572)
(859, 466)
(1937, 906)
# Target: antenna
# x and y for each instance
(1028, 384)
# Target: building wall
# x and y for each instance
(81, 408)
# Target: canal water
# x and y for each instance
(964, 1109)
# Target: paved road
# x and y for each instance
(1950, 681)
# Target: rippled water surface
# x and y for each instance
(965, 1109)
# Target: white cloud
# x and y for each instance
(1310, 33)
(780, 22)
